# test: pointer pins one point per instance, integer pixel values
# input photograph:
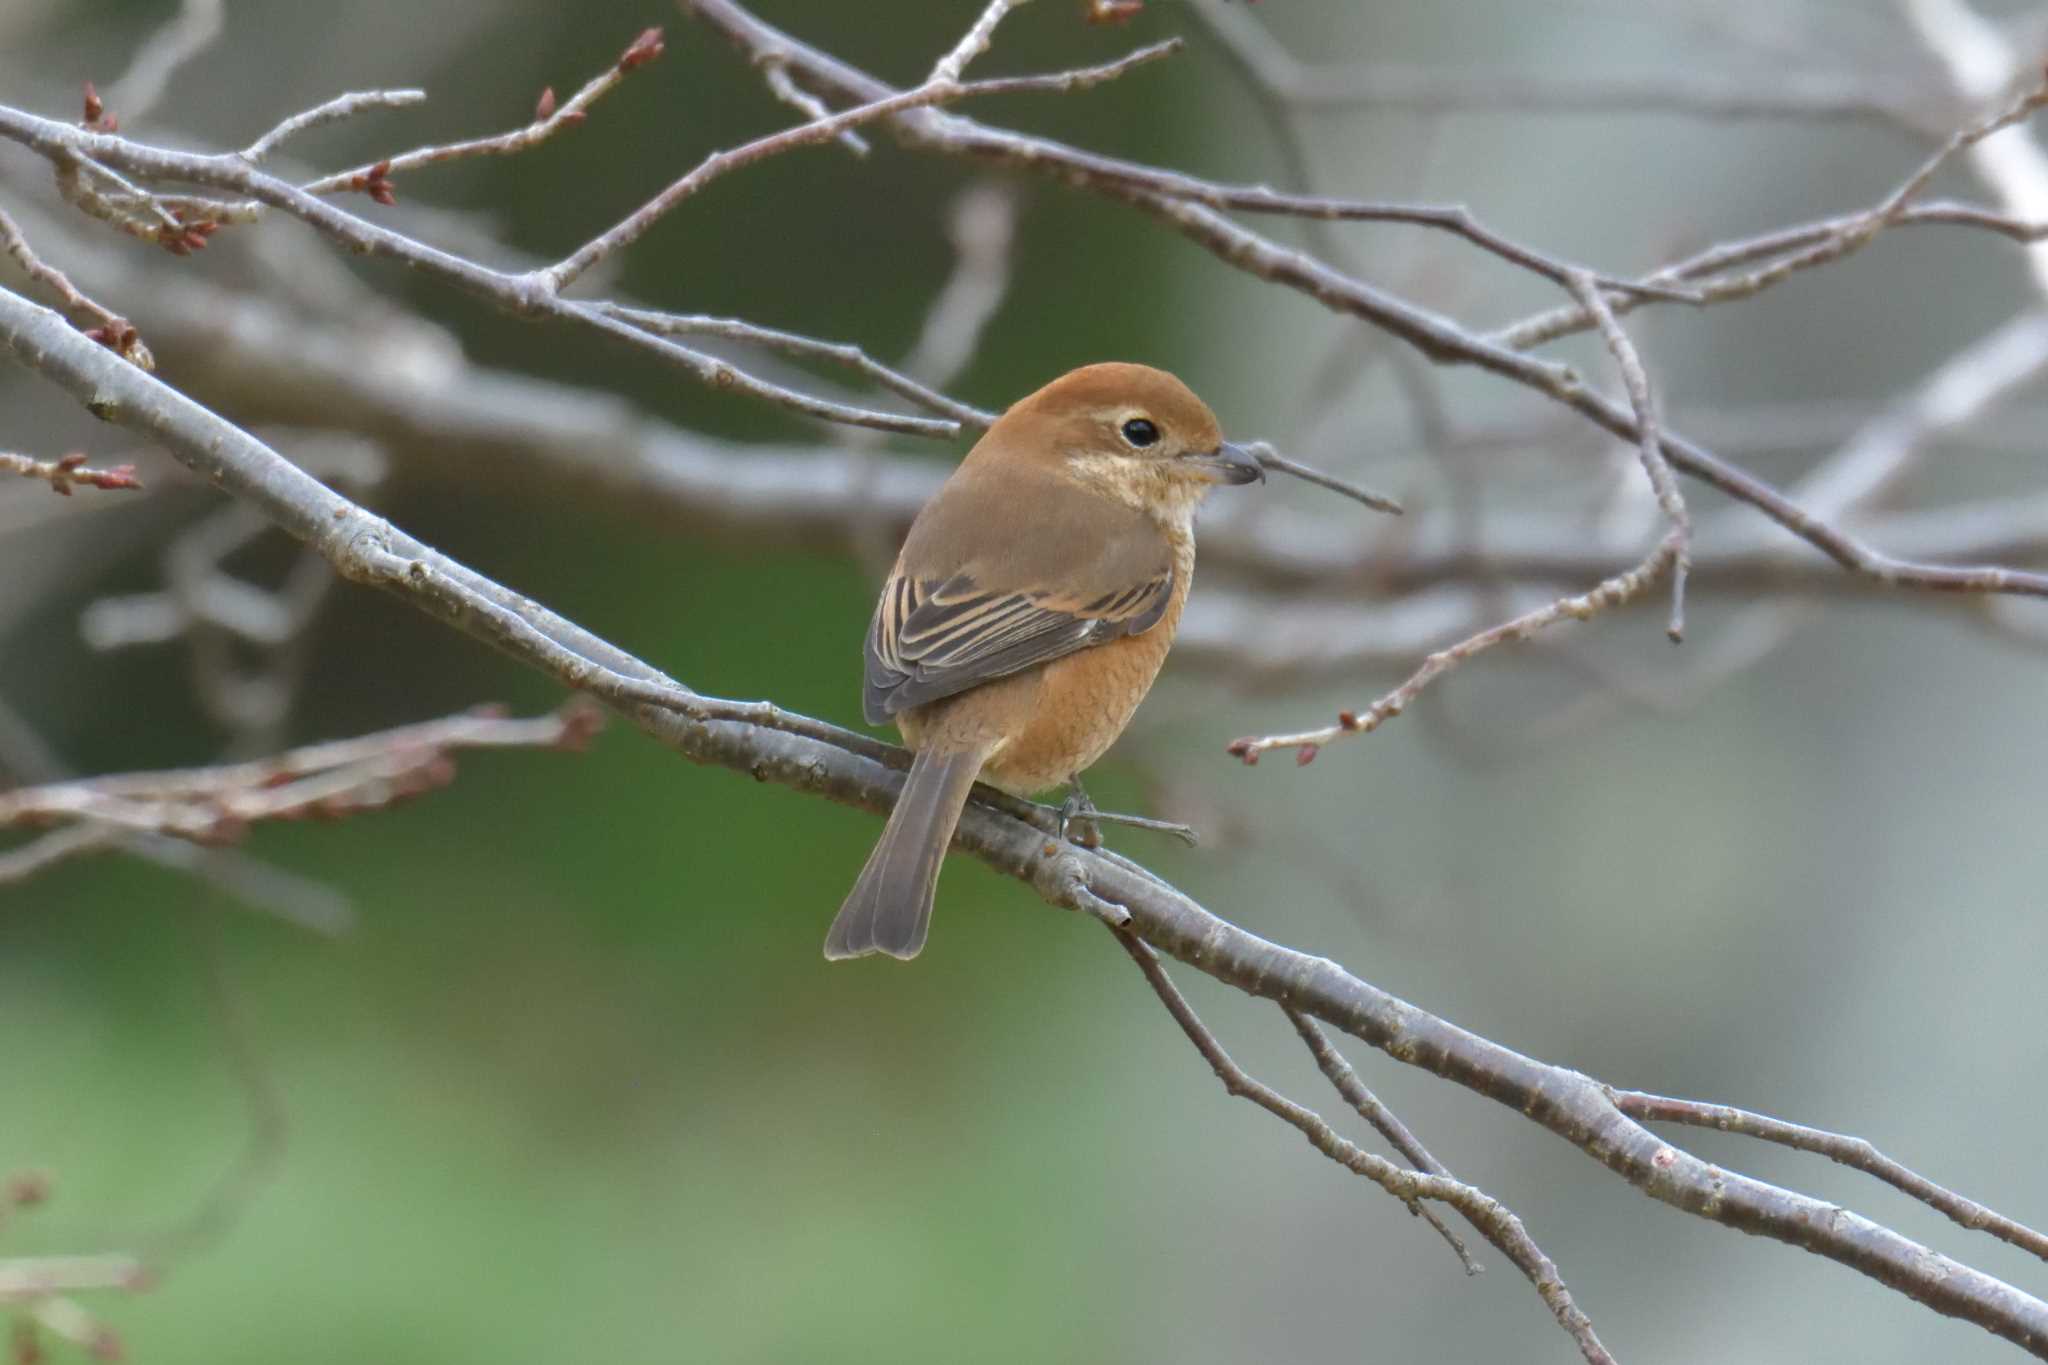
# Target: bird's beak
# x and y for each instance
(1229, 463)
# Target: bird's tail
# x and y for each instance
(889, 909)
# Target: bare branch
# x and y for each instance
(953, 65)
(1791, 250)
(784, 88)
(334, 111)
(1982, 62)
(536, 294)
(1269, 458)
(1853, 1152)
(1453, 218)
(514, 292)
(298, 901)
(68, 472)
(1495, 1219)
(810, 348)
(110, 328)
(1385, 1122)
(1611, 593)
(546, 124)
(211, 805)
(1649, 444)
(940, 89)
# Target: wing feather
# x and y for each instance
(933, 638)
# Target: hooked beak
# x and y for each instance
(1229, 463)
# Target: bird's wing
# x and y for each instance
(936, 635)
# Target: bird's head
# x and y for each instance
(1130, 432)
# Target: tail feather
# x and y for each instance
(889, 909)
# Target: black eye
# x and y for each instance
(1140, 432)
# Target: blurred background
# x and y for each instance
(577, 1084)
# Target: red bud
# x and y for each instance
(643, 50)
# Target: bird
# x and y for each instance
(1028, 613)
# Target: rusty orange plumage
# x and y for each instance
(1032, 605)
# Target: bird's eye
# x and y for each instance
(1140, 432)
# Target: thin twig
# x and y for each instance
(1790, 250)
(1453, 218)
(810, 348)
(327, 780)
(940, 89)
(1649, 441)
(110, 328)
(1853, 1152)
(1614, 592)
(1983, 58)
(516, 292)
(1250, 48)
(949, 68)
(128, 197)
(545, 125)
(784, 87)
(1367, 1105)
(1499, 1222)
(334, 111)
(68, 472)
(296, 900)
(1269, 458)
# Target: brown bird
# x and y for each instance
(1031, 607)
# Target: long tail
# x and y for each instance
(889, 909)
